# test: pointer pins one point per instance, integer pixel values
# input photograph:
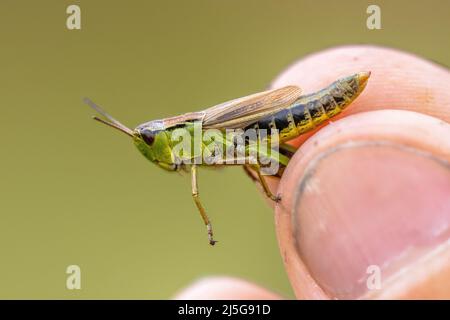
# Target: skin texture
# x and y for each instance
(369, 191)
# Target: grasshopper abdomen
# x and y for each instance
(309, 111)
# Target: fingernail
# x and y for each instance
(366, 210)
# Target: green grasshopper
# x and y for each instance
(283, 113)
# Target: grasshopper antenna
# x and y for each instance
(112, 122)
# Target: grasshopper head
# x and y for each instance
(154, 144)
(150, 139)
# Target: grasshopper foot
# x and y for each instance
(276, 198)
(210, 234)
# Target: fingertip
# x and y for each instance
(363, 191)
(225, 288)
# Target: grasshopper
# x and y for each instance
(284, 113)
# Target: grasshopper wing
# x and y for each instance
(241, 112)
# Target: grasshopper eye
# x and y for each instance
(148, 136)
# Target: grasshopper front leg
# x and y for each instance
(199, 205)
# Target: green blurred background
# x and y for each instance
(75, 192)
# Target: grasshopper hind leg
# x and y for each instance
(250, 169)
(265, 186)
(201, 209)
(286, 152)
